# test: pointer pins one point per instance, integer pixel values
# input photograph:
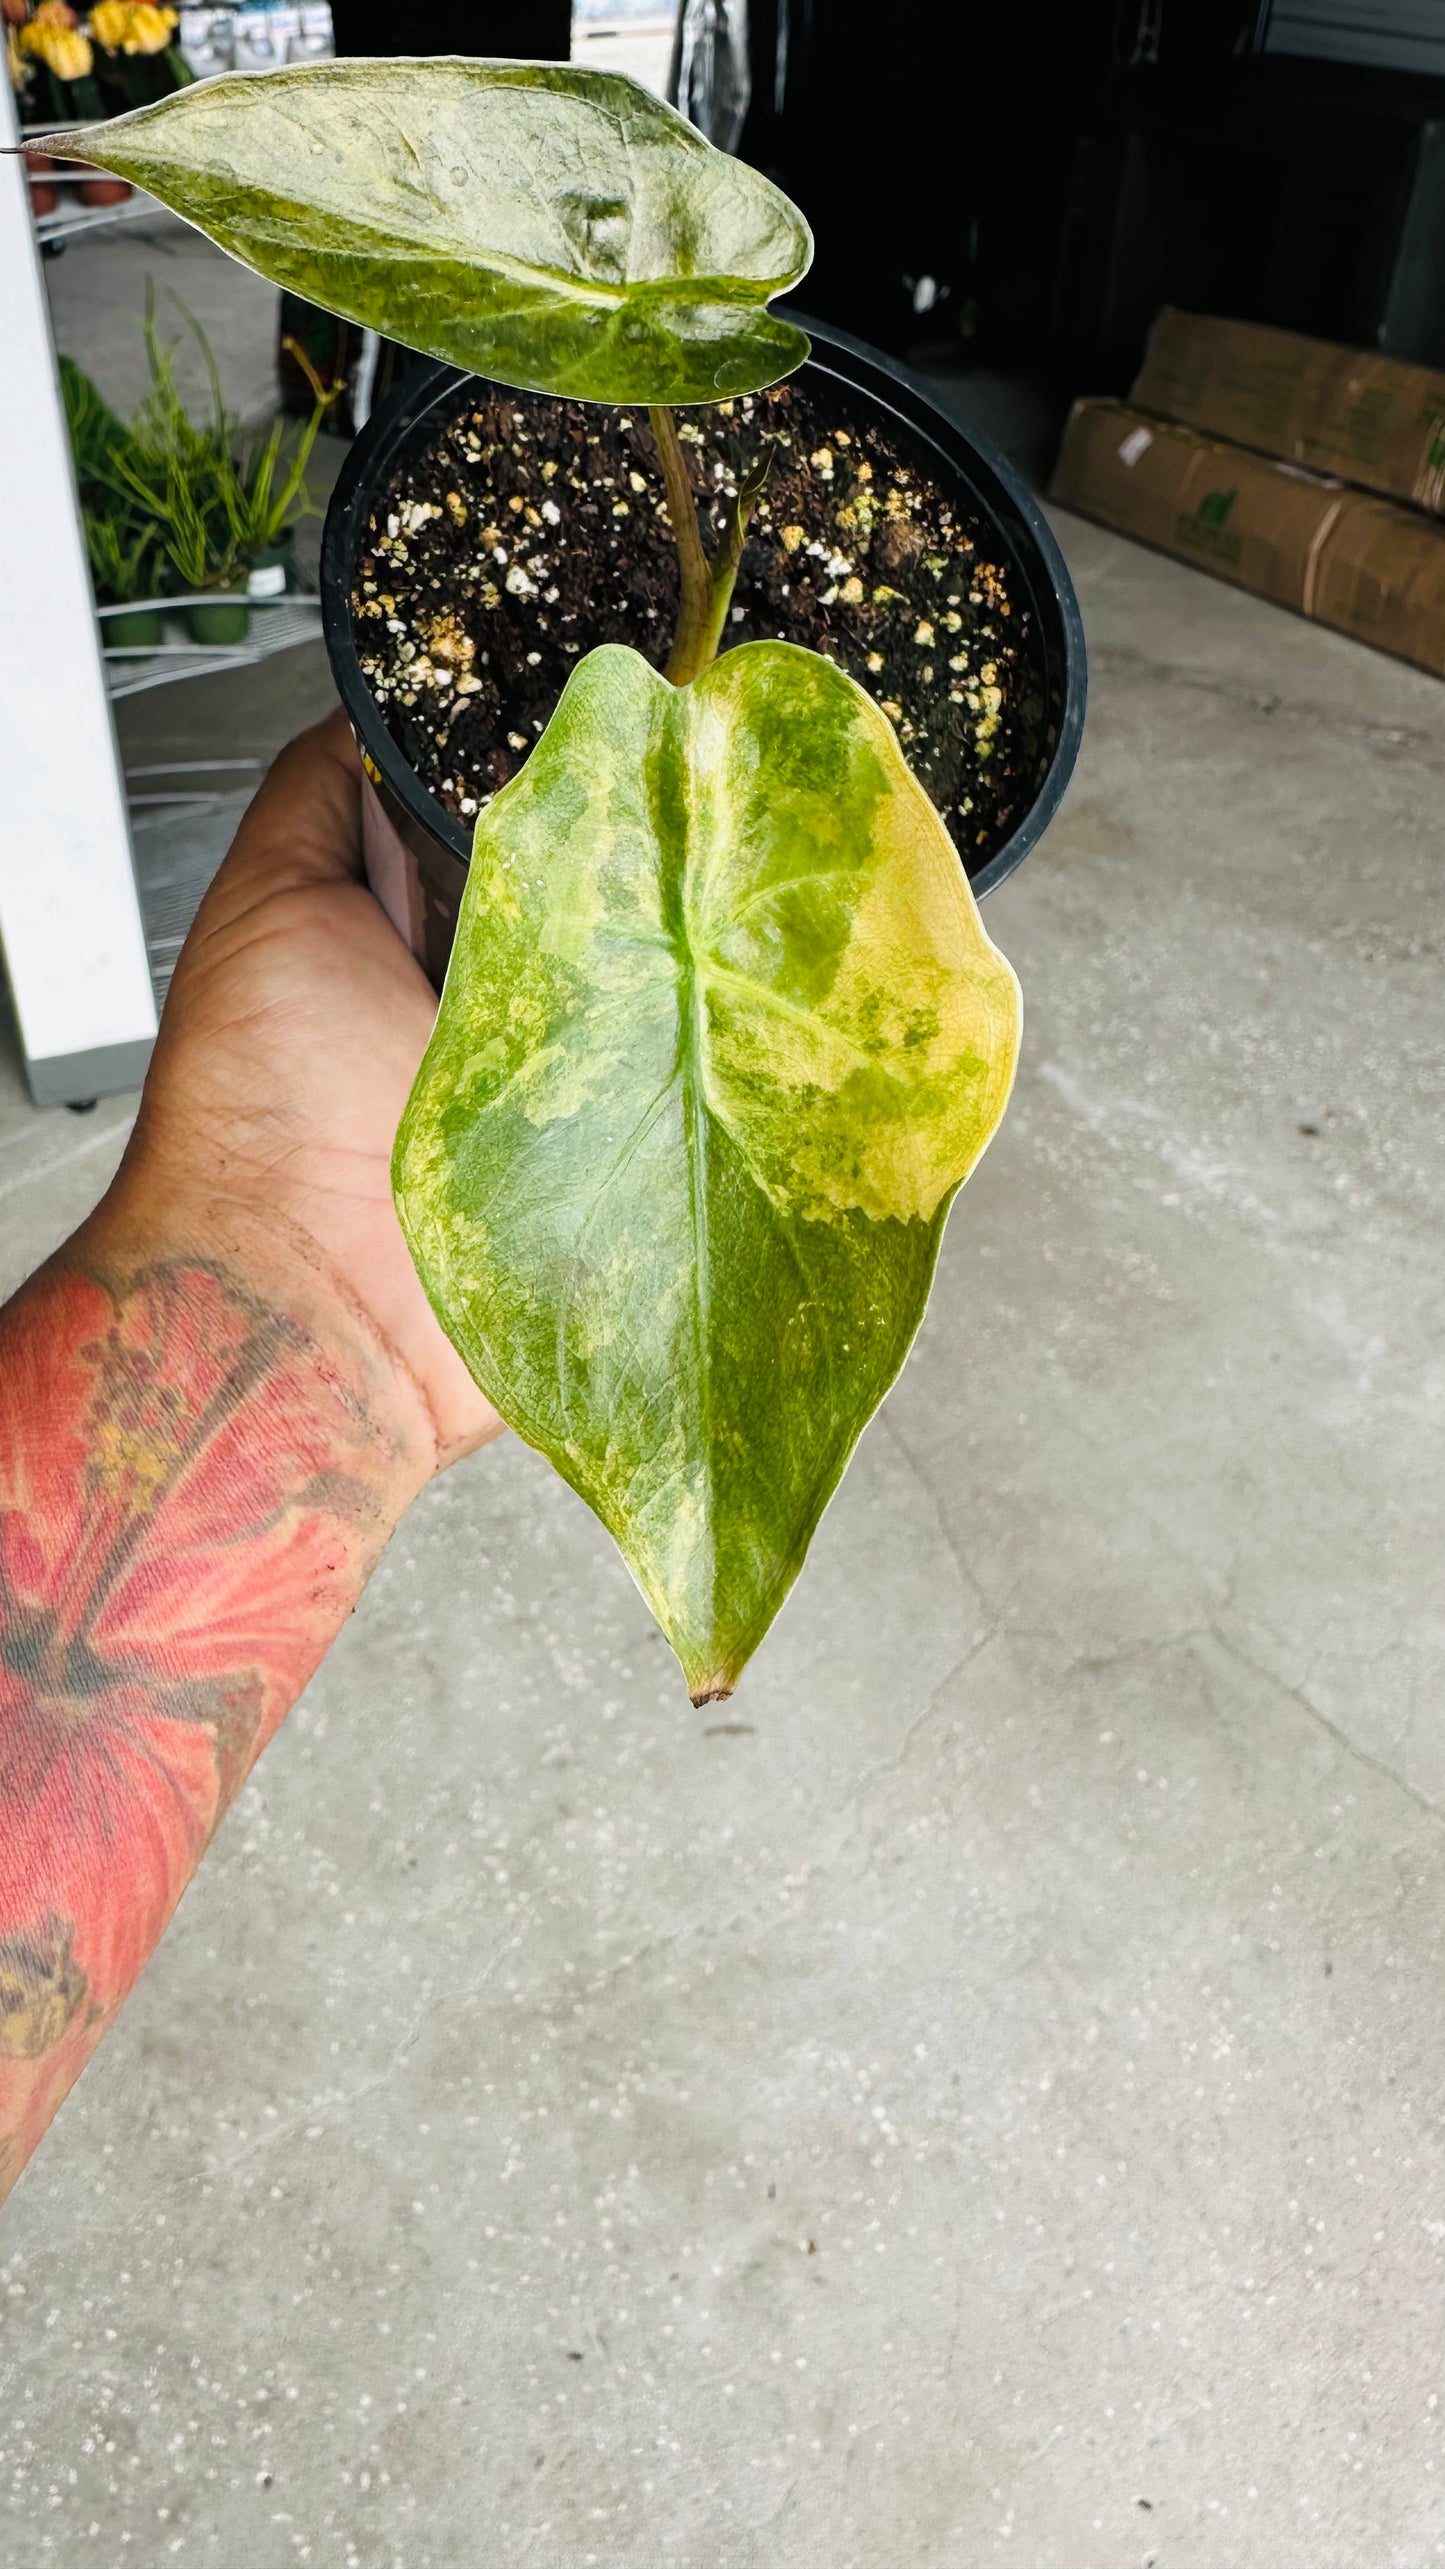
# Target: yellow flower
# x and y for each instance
(62, 50)
(131, 26)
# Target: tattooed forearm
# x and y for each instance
(193, 1489)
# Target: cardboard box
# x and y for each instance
(1367, 418)
(1304, 539)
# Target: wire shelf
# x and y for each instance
(277, 625)
(66, 225)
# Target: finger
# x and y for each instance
(304, 826)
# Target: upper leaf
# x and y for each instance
(721, 1035)
(552, 227)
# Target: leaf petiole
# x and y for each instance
(707, 580)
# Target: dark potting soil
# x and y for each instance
(526, 530)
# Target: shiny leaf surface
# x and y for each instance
(721, 1036)
(552, 227)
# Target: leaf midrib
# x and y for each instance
(672, 803)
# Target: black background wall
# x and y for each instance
(535, 30)
(1028, 184)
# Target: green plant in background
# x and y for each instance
(122, 558)
(178, 471)
(96, 434)
(210, 498)
(261, 510)
(120, 538)
(722, 1034)
(96, 440)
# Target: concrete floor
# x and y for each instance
(97, 285)
(978, 2103)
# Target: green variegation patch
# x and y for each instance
(721, 1036)
(552, 227)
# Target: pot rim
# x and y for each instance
(994, 488)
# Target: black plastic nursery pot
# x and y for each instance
(992, 603)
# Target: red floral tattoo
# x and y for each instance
(191, 1497)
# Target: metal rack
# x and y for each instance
(64, 222)
(64, 226)
(181, 826)
(130, 668)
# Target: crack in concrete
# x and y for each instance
(845, 1819)
(1352, 1749)
(891, 1764)
(888, 1429)
(327, 2111)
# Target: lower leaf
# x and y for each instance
(721, 1037)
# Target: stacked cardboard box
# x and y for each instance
(1310, 474)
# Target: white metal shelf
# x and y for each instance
(65, 226)
(280, 625)
(67, 221)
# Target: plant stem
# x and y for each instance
(707, 580)
(694, 612)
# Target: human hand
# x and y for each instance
(216, 1401)
(293, 1031)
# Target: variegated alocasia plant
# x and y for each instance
(721, 1037)
(722, 1033)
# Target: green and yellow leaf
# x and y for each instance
(721, 1037)
(555, 228)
